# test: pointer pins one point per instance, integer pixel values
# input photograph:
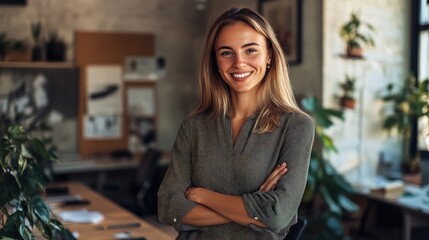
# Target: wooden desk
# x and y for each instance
(113, 214)
(414, 209)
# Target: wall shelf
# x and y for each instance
(55, 65)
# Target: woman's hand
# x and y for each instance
(273, 178)
(193, 193)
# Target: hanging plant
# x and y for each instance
(356, 33)
(347, 100)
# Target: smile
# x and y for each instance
(241, 75)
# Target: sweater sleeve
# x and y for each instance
(278, 208)
(172, 203)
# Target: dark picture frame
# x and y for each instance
(13, 2)
(285, 17)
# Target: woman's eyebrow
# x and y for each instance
(243, 46)
(250, 44)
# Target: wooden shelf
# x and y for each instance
(37, 65)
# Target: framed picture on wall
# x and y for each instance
(13, 2)
(285, 18)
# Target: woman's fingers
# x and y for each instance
(272, 179)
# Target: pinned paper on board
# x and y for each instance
(141, 101)
(104, 89)
(102, 126)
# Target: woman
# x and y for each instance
(227, 176)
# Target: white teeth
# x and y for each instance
(241, 75)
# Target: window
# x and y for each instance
(420, 62)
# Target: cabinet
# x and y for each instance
(109, 50)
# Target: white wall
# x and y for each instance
(360, 138)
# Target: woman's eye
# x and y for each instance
(251, 50)
(226, 53)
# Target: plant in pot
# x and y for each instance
(407, 105)
(356, 34)
(36, 31)
(55, 48)
(348, 87)
(326, 200)
(23, 213)
(4, 45)
(17, 50)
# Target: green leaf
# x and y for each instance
(310, 188)
(40, 209)
(40, 149)
(32, 180)
(10, 227)
(333, 206)
(2, 149)
(63, 233)
(309, 104)
(25, 232)
(10, 189)
(347, 204)
(334, 225)
(17, 133)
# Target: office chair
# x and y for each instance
(296, 230)
(145, 176)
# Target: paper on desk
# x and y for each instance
(418, 200)
(81, 216)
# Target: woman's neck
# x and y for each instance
(243, 105)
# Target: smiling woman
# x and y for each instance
(243, 58)
(227, 178)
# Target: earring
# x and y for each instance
(268, 66)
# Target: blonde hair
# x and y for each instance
(275, 94)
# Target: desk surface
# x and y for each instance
(412, 202)
(113, 214)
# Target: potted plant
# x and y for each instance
(326, 197)
(36, 30)
(22, 179)
(17, 50)
(348, 87)
(408, 104)
(353, 32)
(55, 48)
(4, 45)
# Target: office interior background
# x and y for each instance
(318, 69)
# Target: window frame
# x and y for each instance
(416, 29)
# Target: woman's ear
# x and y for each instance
(270, 53)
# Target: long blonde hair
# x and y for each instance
(275, 94)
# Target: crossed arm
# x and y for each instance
(212, 210)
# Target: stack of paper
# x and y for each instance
(81, 216)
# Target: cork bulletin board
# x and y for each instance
(107, 49)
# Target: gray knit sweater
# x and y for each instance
(204, 156)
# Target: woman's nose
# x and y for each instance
(239, 61)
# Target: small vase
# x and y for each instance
(354, 52)
(36, 53)
(410, 164)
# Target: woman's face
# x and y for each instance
(242, 57)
